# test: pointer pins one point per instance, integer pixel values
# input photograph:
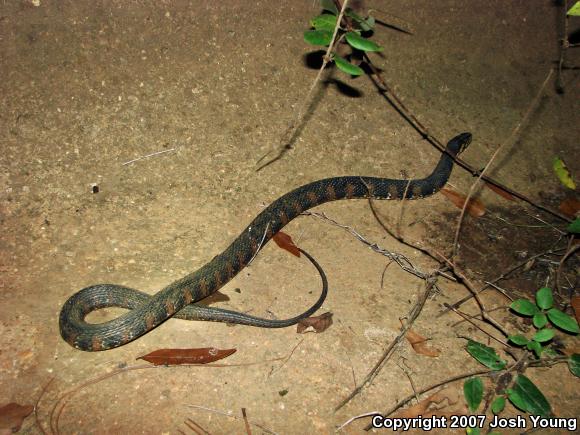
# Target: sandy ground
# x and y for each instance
(87, 86)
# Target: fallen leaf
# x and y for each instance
(475, 207)
(12, 416)
(419, 344)
(284, 241)
(171, 357)
(503, 193)
(318, 323)
(214, 298)
(570, 207)
(576, 306)
(563, 173)
(422, 407)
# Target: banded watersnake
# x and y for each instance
(147, 312)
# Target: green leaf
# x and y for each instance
(516, 399)
(540, 320)
(328, 5)
(563, 320)
(473, 392)
(318, 37)
(543, 335)
(498, 404)
(472, 431)
(574, 364)
(361, 43)
(347, 67)
(574, 227)
(324, 22)
(485, 355)
(574, 10)
(544, 298)
(524, 307)
(518, 340)
(365, 25)
(536, 347)
(563, 173)
(532, 399)
(356, 17)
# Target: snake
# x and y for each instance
(178, 299)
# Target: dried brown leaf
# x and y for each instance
(419, 344)
(500, 191)
(570, 207)
(475, 207)
(171, 357)
(318, 323)
(284, 241)
(12, 416)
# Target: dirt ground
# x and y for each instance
(87, 86)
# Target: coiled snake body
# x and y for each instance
(147, 311)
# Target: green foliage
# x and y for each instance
(485, 355)
(524, 307)
(324, 22)
(363, 44)
(318, 37)
(473, 392)
(574, 227)
(544, 298)
(518, 340)
(540, 320)
(350, 29)
(563, 321)
(574, 364)
(536, 347)
(526, 396)
(498, 404)
(543, 335)
(346, 66)
(542, 313)
(328, 5)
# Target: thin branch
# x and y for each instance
(230, 415)
(481, 372)
(475, 294)
(570, 250)
(412, 316)
(199, 430)
(467, 319)
(510, 138)
(307, 99)
(36, 419)
(397, 104)
(402, 261)
(499, 278)
(246, 422)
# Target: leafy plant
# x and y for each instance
(353, 29)
(523, 393)
(543, 314)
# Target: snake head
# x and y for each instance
(458, 144)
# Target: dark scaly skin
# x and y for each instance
(147, 312)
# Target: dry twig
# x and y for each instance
(510, 138)
(412, 316)
(300, 113)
